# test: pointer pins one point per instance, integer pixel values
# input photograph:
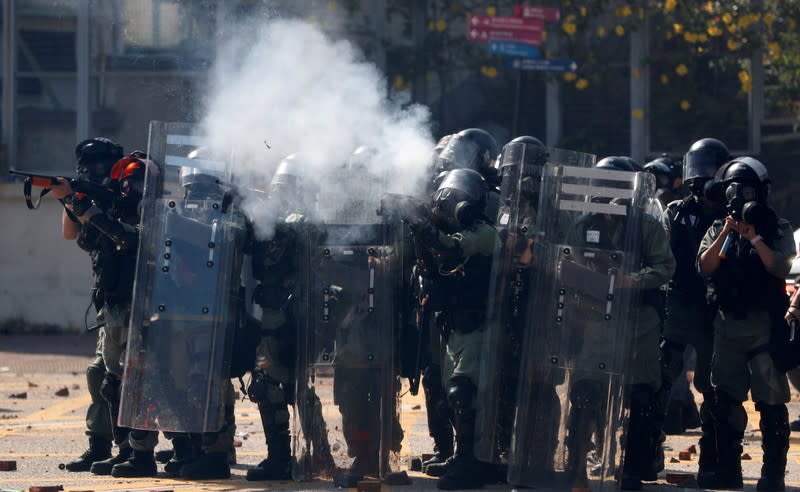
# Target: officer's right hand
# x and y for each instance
(792, 314)
(80, 204)
(61, 190)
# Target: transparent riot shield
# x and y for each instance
(570, 414)
(511, 285)
(185, 294)
(347, 392)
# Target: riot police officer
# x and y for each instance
(667, 186)
(95, 158)
(746, 256)
(273, 386)
(690, 318)
(461, 244)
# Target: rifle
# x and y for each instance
(406, 208)
(102, 194)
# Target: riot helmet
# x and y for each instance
(96, 157)
(362, 158)
(205, 180)
(130, 173)
(459, 200)
(701, 162)
(661, 170)
(619, 163)
(528, 155)
(472, 148)
(291, 189)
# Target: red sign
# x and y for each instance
(490, 28)
(547, 14)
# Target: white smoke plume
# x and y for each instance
(287, 84)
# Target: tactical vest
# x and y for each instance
(464, 290)
(688, 225)
(741, 284)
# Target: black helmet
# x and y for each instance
(661, 170)
(459, 200)
(96, 156)
(619, 163)
(203, 180)
(744, 176)
(472, 148)
(702, 161)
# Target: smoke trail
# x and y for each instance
(290, 85)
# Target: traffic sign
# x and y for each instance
(543, 65)
(547, 14)
(487, 28)
(510, 48)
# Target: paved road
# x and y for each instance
(43, 430)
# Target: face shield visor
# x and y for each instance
(460, 153)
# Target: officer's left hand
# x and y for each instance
(747, 231)
(80, 204)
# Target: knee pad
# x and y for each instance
(460, 393)
(94, 378)
(773, 413)
(729, 411)
(110, 388)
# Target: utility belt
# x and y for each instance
(463, 321)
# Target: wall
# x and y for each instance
(45, 280)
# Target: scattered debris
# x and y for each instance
(19, 396)
(63, 392)
(7, 417)
(76, 387)
(31, 384)
(237, 443)
(46, 488)
(674, 460)
(368, 486)
(692, 449)
(397, 478)
(678, 478)
(746, 457)
(416, 407)
(415, 464)
(684, 456)
(8, 465)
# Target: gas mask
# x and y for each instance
(452, 212)
(736, 196)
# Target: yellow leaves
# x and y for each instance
(441, 25)
(745, 81)
(664, 79)
(668, 35)
(581, 84)
(583, 11)
(681, 70)
(569, 28)
(619, 30)
(638, 113)
(669, 5)
(570, 76)
(601, 32)
(690, 37)
(678, 28)
(708, 7)
(491, 11)
(702, 37)
(624, 11)
(490, 72)
(399, 83)
(685, 105)
(769, 18)
(714, 31)
(732, 44)
(727, 18)
(773, 51)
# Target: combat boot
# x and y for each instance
(465, 471)
(99, 449)
(104, 467)
(774, 426)
(207, 467)
(186, 449)
(580, 428)
(640, 442)
(728, 475)
(707, 461)
(440, 428)
(278, 465)
(140, 464)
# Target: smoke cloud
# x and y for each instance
(286, 84)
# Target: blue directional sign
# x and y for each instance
(543, 65)
(510, 48)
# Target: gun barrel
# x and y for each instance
(39, 180)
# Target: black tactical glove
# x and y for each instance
(80, 204)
